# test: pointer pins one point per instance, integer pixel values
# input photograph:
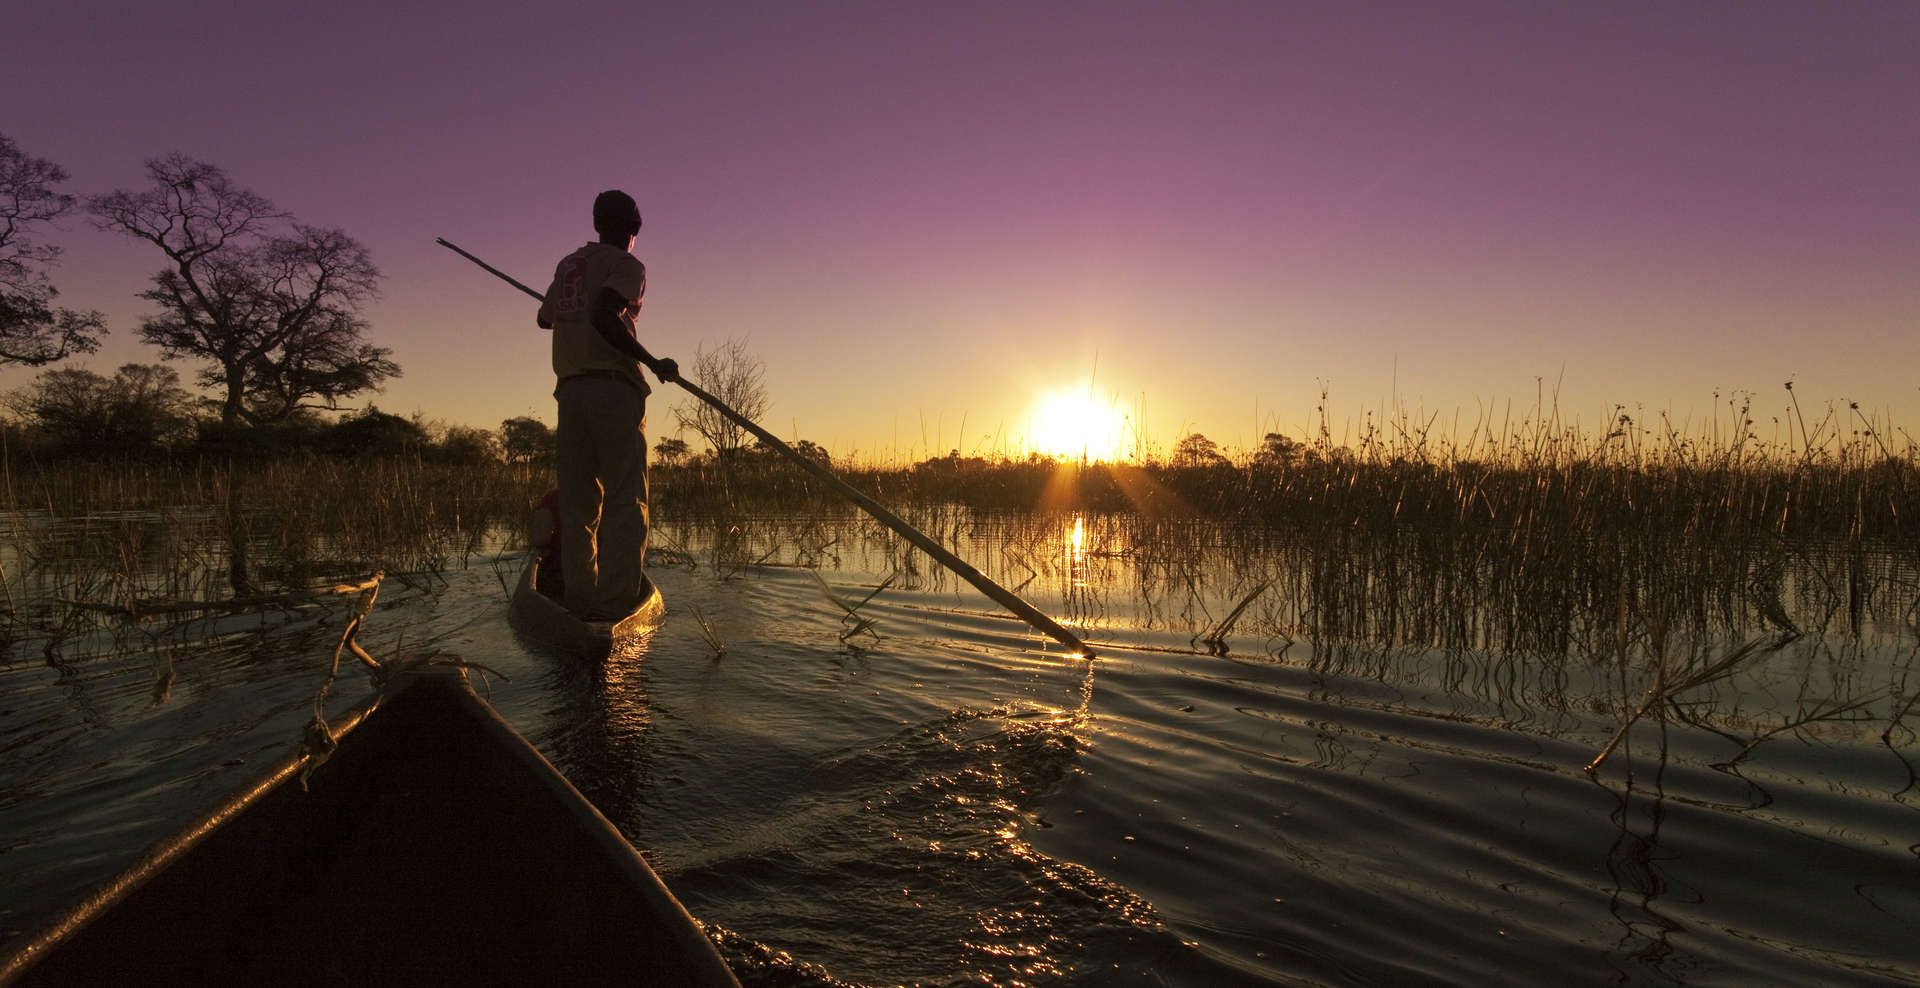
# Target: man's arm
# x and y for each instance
(544, 318)
(607, 307)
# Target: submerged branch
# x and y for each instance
(1663, 690)
(853, 610)
(1898, 716)
(1822, 710)
(317, 741)
(142, 609)
(1216, 639)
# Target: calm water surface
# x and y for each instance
(947, 799)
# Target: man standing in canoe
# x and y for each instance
(601, 443)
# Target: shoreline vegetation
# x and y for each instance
(1423, 537)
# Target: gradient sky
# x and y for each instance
(919, 213)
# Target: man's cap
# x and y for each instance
(616, 206)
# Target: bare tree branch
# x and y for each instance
(734, 376)
(32, 330)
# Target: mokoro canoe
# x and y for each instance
(545, 618)
(435, 846)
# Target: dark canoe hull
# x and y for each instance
(436, 846)
(544, 618)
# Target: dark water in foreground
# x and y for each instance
(952, 802)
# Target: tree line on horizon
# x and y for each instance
(143, 411)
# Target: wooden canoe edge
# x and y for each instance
(593, 826)
(168, 850)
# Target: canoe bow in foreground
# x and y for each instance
(435, 846)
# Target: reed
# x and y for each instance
(707, 634)
(84, 539)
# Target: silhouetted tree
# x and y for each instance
(734, 376)
(818, 454)
(375, 433)
(466, 444)
(150, 404)
(141, 408)
(67, 407)
(32, 330)
(1276, 450)
(271, 305)
(1196, 450)
(805, 447)
(672, 450)
(526, 440)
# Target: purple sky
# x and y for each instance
(919, 213)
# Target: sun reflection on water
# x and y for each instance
(1077, 553)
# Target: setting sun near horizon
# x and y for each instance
(1076, 423)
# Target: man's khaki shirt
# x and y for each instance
(577, 281)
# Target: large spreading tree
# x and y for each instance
(32, 329)
(270, 305)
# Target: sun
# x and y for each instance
(1074, 424)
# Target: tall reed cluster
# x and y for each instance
(1534, 537)
(82, 534)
